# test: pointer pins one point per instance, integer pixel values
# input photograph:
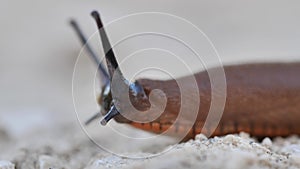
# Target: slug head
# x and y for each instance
(117, 92)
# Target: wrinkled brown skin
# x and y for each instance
(262, 99)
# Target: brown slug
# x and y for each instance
(263, 99)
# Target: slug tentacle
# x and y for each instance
(109, 115)
(136, 91)
(104, 75)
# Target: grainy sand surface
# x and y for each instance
(65, 147)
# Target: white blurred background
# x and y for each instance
(38, 49)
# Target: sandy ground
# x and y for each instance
(39, 127)
(71, 149)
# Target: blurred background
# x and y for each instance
(38, 48)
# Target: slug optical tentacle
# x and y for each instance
(104, 75)
(113, 68)
(111, 60)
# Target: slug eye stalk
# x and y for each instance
(111, 60)
(104, 75)
(113, 68)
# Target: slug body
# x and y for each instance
(262, 99)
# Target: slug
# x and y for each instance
(263, 99)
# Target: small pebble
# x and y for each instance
(267, 142)
(244, 135)
(46, 162)
(6, 165)
(231, 139)
(201, 137)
